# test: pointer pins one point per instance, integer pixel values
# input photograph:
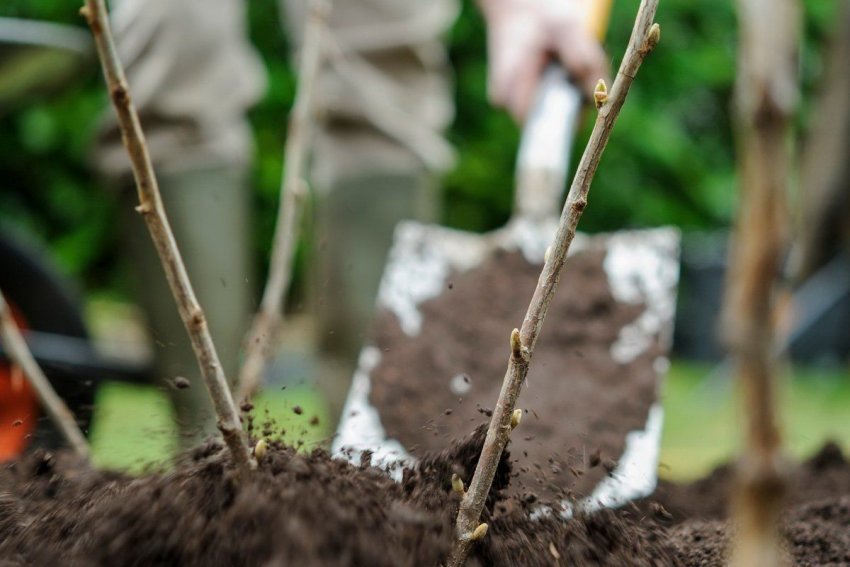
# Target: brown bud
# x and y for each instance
(653, 36)
(516, 344)
(457, 485)
(479, 532)
(260, 449)
(600, 94)
(516, 418)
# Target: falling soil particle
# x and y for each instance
(297, 410)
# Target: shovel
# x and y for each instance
(448, 300)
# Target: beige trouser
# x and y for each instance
(384, 101)
(384, 97)
(209, 212)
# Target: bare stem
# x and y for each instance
(645, 36)
(20, 354)
(766, 97)
(151, 209)
(269, 317)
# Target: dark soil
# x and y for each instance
(465, 333)
(298, 510)
(817, 526)
(313, 510)
(826, 475)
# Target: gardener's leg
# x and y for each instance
(354, 224)
(385, 101)
(193, 75)
(209, 213)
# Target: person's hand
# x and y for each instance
(523, 35)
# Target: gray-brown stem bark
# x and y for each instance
(645, 36)
(151, 209)
(267, 322)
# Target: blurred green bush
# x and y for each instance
(669, 161)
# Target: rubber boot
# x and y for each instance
(209, 212)
(354, 228)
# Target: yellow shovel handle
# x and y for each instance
(597, 19)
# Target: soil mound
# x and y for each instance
(299, 509)
(314, 510)
(815, 534)
(817, 512)
(826, 475)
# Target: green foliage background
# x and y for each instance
(669, 161)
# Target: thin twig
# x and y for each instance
(19, 353)
(269, 317)
(645, 36)
(766, 98)
(151, 209)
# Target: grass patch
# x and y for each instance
(133, 429)
(703, 425)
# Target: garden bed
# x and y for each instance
(314, 510)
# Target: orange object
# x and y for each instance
(18, 407)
